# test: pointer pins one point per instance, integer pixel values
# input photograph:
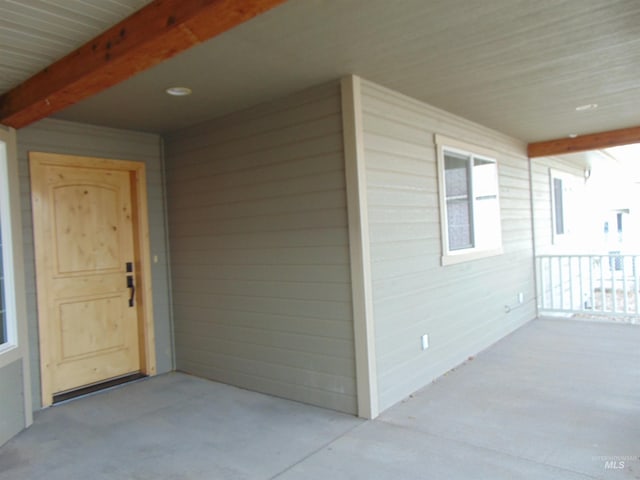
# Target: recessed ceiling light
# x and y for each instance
(587, 107)
(178, 91)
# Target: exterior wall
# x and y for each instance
(260, 252)
(56, 136)
(11, 401)
(461, 307)
(15, 387)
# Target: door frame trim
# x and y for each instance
(146, 330)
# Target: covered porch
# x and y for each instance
(557, 399)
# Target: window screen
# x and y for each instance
(458, 199)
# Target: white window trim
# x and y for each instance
(459, 256)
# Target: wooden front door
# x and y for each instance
(88, 267)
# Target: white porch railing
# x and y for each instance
(598, 284)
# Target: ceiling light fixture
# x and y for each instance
(178, 91)
(587, 107)
(572, 135)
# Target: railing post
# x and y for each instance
(612, 268)
(591, 292)
(551, 287)
(561, 283)
(570, 259)
(581, 293)
(602, 292)
(625, 302)
(542, 295)
(635, 283)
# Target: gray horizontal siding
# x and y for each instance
(460, 306)
(11, 401)
(57, 136)
(259, 248)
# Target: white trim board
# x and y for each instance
(361, 285)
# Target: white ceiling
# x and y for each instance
(519, 66)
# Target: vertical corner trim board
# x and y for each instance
(366, 376)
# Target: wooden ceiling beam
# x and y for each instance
(582, 143)
(156, 32)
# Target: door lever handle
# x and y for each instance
(132, 287)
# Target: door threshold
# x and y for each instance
(96, 387)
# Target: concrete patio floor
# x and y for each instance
(558, 399)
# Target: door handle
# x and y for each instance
(132, 287)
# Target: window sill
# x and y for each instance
(468, 256)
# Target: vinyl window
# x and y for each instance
(558, 206)
(469, 203)
(563, 187)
